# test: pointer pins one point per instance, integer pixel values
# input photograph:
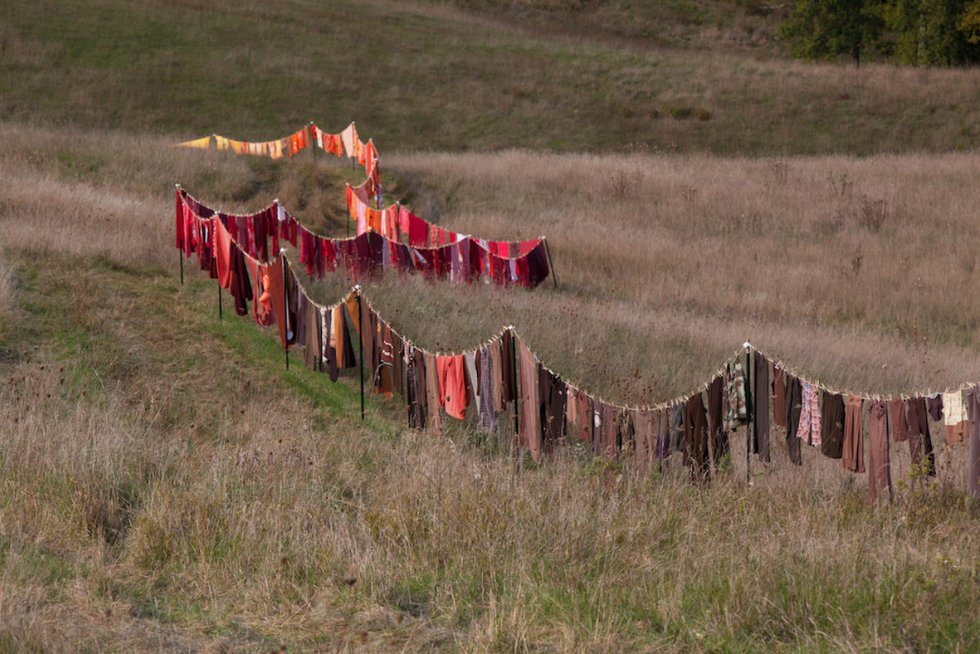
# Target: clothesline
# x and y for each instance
(866, 396)
(746, 347)
(366, 155)
(275, 204)
(609, 427)
(363, 255)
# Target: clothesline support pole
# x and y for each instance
(220, 312)
(547, 250)
(360, 348)
(282, 262)
(748, 424)
(180, 258)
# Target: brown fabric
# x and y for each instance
(879, 464)
(832, 425)
(398, 363)
(716, 419)
(529, 406)
(696, 438)
(434, 408)
(625, 432)
(853, 458)
(416, 388)
(585, 417)
(955, 433)
(507, 371)
(760, 407)
(552, 391)
(900, 425)
(605, 439)
(312, 350)
(972, 400)
(645, 443)
(778, 397)
(920, 442)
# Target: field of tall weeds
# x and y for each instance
(168, 485)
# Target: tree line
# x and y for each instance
(911, 32)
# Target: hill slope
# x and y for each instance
(169, 484)
(429, 77)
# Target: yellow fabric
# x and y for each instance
(202, 143)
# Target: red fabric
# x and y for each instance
(418, 231)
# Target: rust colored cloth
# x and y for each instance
(900, 425)
(778, 397)
(696, 439)
(281, 291)
(453, 393)
(879, 463)
(529, 423)
(434, 415)
(853, 448)
(832, 426)
(920, 442)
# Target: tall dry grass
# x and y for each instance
(167, 485)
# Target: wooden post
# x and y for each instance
(748, 425)
(360, 347)
(220, 312)
(180, 252)
(285, 302)
(554, 276)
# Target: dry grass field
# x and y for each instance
(166, 484)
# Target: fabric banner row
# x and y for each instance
(750, 390)
(200, 229)
(363, 201)
(344, 143)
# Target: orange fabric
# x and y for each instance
(354, 314)
(452, 384)
(278, 296)
(222, 253)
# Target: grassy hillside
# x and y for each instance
(166, 484)
(428, 76)
(169, 485)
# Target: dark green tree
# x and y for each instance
(827, 29)
(935, 32)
